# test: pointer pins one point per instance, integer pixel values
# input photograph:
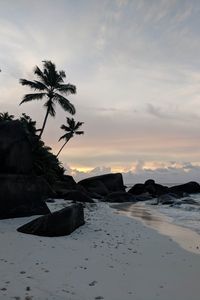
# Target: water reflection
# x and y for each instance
(185, 237)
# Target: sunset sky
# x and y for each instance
(136, 65)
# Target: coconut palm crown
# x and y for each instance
(50, 86)
(71, 129)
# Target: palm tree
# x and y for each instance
(6, 117)
(71, 129)
(52, 87)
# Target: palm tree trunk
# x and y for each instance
(44, 123)
(62, 147)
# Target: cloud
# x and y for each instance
(168, 173)
(135, 64)
(79, 175)
(177, 114)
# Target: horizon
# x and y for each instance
(137, 72)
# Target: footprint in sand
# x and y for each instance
(93, 283)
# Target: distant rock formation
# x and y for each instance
(150, 187)
(59, 223)
(191, 187)
(165, 195)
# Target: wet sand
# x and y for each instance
(186, 238)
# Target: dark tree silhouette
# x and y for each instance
(50, 86)
(71, 129)
(6, 117)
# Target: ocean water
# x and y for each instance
(186, 215)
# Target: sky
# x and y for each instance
(136, 66)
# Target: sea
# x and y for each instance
(185, 215)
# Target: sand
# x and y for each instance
(111, 257)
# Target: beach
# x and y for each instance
(111, 257)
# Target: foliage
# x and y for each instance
(45, 162)
(50, 85)
(29, 124)
(6, 117)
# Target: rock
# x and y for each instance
(137, 189)
(96, 186)
(59, 223)
(143, 197)
(50, 201)
(191, 187)
(150, 187)
(104, 184)
(69, 182)
(62, 186)
(94, 195)
(155, 189)
(15, 149)
(23, 195)
(119, 197)
(149, 182)
(77, 196)
(167, 199)
(190, 201)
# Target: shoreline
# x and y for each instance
(111, 257)
(187, 238)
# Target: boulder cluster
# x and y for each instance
(23, 193)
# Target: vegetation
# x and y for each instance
(71, 129)
(6, 117)
(45, 163)
(50, 86)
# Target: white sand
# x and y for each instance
(112, 257)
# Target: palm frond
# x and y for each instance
(65, 103)
(52, 111)
(62, 74)
(42, 85)
(66, 89)
(71, 122)
(65, 128)
(30, 97)
(41, 75)
(50, 72)
(78, 125)
(66, 136)
(50, 106)
(49, 66)
(36, 85)
(79, 132)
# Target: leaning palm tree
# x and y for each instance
(50, 85)
(71, 129)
